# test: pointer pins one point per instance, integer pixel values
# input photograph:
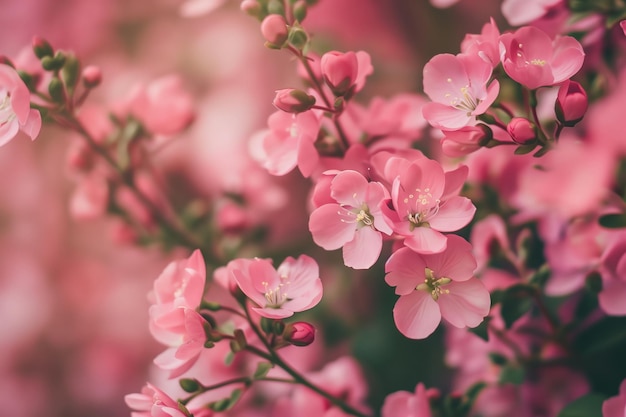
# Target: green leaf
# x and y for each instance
(261, 370)
(613, 221)
(589, 405)
(512, 374)
(603, 336)
(230, 357)
(516, 302)
(524, 149)
(189, 385)
(482, 329)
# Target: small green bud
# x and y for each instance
(189, 385)
(300, 10)
(298, 38)
(42, 48)
(56, 90)
(70, 71)
(276, 7)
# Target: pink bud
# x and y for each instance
(466, 140)
(340, 71)
(293, 101)
(92, 76)
(571, 103)
(299, 333)
(41, 47)
(274, 30)
(251, 7)
(522, 131)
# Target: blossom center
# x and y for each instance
(433, 285)
(277, 296)
(464, 100)
(6, 111)
(425, 206)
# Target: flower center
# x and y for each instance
(433, 285)
(6, 111)
(464, 101)
(359, 214)
(277, 296)
(425, 207)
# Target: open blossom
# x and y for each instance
(435, 286)
(533, 59)
(486, 44)
(181, 284)
(15, 111)
(408, 404)
(521, 12)
(152, 402)
(457, 86)
(355, 222)
(426, 204)
(295, 286)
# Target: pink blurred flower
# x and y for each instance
(345, 71)
(152, 402)
(90, 198)
(457, 86)
(533, 59)
(195, 8)
(486, 44)
(181, 284)
(408, 404)
(425, 205)
(436, 285)
(354, 222)
(521, 12)
(163, 106)
(15, 111)
(616, 406)
(295, 286)
(613, 270)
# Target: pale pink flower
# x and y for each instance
(181, 284)
(15, 112)
(533, 59)
(486, 44)
(485, 233)
(163, 106)
(347, 71)
(457, 86)
(521, 12)
(436, 285)
(152, 402)
(354, 222)
(616, 406)
(426, 204)
(613, 270)
(180, 358)
(408, 404)
(195, 8)
(295, 286)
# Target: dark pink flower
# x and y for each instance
(571, 103)
(295, 286)
(522, 130)
(533, 59)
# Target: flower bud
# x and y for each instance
(92, 76)
(274, 30)
(466, 140)
(41, 47)
(251, 7)
(340, 71)
(571, 103)
(55, 89)
(70, 71)
(293, 101)
(300, 10)
(299, 333)
(522, 131)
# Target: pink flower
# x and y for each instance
(163, 106)
(347, 71)
(15, 111)
(533, 59)
(354, 222)
(616, 406)
(613, 271)
(436, 285)
(408, 404)
(180, 358)
(457, 85)
(486, 45)
(295, 286)
(425, 205)
(181, 284)
(521, 12)
(152, 402)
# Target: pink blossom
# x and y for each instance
(163, 106)
(613, 271)
(436, 285)
(425, 205)
(15, 112)
(616, 406)
(355, 222)
(180, 358)
(295, 286)
(345, 71)
(181, 284)
(521, 12)
(408, 404)
(533, 59)
(486, 44)
(152, 402)
(457, 85)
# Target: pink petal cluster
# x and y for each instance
(486, 44)
(345, 72)
(354, 221)
(15, 112)
(533, 59)
(459, 88)
(408, 404)
(432, 286)
(278, 293)
(152, 402)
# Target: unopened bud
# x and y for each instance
(522, 131)
(274, 30)
(6, 61)
(70, 71)
(300, 10)
(53, 63)
(276, 7)
(189, 385)
(299, 333)
(42, 48)
(92, 76)
(340, 71)
(298, 38)
(293, 101)
(251, 7)
(571, 103)
(55, 89)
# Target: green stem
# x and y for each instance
(205, 388)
